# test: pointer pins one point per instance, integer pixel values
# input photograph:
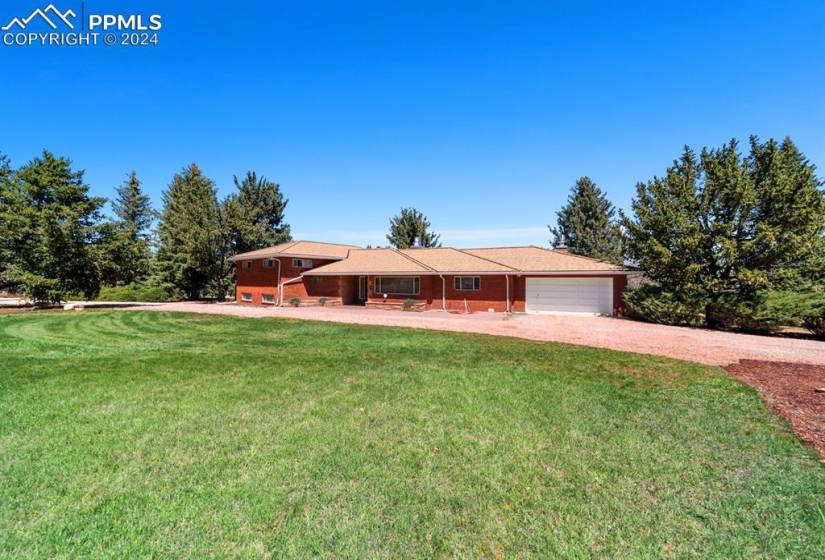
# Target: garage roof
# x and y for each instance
(535, 259)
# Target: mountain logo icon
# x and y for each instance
(44, 15)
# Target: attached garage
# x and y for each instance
(569, 295)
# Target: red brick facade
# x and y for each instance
(259, 281)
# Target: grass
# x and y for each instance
(136, 434)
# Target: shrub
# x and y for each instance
(295, 302)
(767, 310)
(134, 292)
(322, 301)
(409, 302)
(650, 303)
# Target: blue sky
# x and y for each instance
(481, 114)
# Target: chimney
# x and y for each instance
(562, 246)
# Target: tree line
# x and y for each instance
(55, 242)
(724, 239)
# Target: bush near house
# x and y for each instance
(766, 311)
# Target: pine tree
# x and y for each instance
(725, 229)
(51, 226)
(193, 241)
(133, 208)
(255, 214)
(586, 224)
(125, 253)
(409, 228)
(5, 221)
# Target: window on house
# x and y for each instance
(269, 263)
(467, 283)
(398, 285)
(246, 296)
(302, 263)
(268, 298)
(247, 264)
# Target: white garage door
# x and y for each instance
(570, 295)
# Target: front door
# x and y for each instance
(362, 288)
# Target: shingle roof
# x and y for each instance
(447, 259)
(372, 261)
(299, 249)
(536, 259)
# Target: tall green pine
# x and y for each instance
(125, 251)
(587, 224)
(411, 228)
(50, 228)
(193, 243)
(255, 214)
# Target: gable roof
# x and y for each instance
(372, 261)
(307, 249)
(446, 260)
(535, 259)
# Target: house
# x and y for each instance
(520, 279)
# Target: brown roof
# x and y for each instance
(536, 259)
(372, 261)
(441, 260)
(447, 259)
(308, 249)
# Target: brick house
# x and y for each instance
(519, 279)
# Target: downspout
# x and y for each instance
(278, 283)
(290, 281)
(507, 291)
(443, 293)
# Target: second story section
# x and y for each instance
(273, 266)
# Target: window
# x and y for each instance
(467, 283)
(247, 264)
(269, 263)
(398, 285)
(302, 263)
(246, 296)
(267, 298)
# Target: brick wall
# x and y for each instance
(260, 281)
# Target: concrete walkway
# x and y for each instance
(697, 345)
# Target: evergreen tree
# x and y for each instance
(255, 214)
(5, 224)
(125, 253)
(586, 224)
(51, 224)
(723, 229)
(411, 227)
(192, 234)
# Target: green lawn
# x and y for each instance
(148, 434)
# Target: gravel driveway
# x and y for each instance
(697, 345)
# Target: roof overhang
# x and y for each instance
(287, 255)
(481, 273)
